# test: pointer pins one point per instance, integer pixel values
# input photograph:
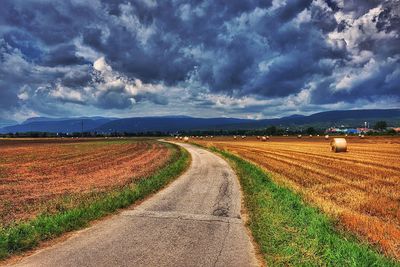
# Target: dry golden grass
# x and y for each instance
(34, 172)
(360, 187)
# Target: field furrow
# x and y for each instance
(363, 178)
(360, 187)
(33, 173)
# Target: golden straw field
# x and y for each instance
(360, 187)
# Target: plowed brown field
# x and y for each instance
(34, 172)
(360, 187)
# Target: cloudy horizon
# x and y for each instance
(245, 59)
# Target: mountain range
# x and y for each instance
(5, 123)
(347, 118)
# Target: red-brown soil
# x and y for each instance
(34, 172)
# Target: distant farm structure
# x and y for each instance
(334, 130)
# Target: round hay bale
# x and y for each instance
(326, 137)
(186, 139)
(234, 137)
(338, 145)
(299, 136)
(258, 137)
(361, 136)
(310, 135)
(180, 137)
(176, 137)
(243, 136)
(201, 137)
(264, 138)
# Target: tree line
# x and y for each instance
(380, 127)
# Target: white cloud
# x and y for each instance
(361, 58)
(101, 65)
(185, 12)
(224, 101)
(361, 64)
(129, 19)
(23, 95)
(298, 100)
(350, 79)
(322, 5)
(265, 65)
(107, 89)
(277, 4)
(66, 94)
(84, 51)
(393, 76)
(245, 21)
(358, 29)
(149, 3)
(109, 80)
(303, 17)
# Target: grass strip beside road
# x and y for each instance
(27, 235)
(289, 231)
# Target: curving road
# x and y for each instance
(195, 221)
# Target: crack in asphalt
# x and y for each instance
(223, 245)
(223, 208)
(224, 198)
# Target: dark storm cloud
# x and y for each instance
(323, 52)
(62, 55)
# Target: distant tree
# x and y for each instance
(271, 130)
(310, 130)
(380, 125)
(280, 131)
(391, 132)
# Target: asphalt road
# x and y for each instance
(195, 221)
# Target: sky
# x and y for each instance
(211, 58)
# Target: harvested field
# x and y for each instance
(360, 187)
(39, 171)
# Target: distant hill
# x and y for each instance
(42, 119)
(348, 118)
(5, 123)
(52, 125)
(170, 124)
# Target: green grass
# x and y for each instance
(291, 232)
(27, 235)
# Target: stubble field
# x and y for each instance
(360, 187)
(37, 175)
